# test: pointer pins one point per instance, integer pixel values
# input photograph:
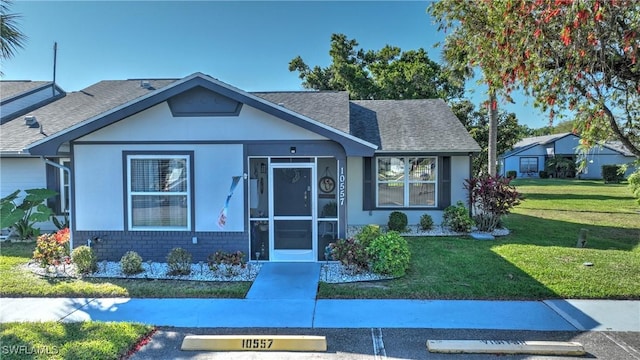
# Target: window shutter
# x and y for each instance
(368, 200)
(444, 182)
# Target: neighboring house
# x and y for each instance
(149, 165)
(529, 155)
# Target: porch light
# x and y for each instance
(292, 149)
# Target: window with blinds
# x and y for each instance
(406, 181)
(158, 192)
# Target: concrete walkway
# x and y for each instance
(550, 315)
(290, 281)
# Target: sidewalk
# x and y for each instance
(548, 315)
(283, 295)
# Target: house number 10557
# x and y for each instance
(341, 186)
(257, 343)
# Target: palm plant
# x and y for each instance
(11, 38)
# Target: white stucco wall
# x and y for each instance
(101, 186)
(21, 173)
(99, 169)
(459, 173)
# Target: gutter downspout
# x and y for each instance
(64, 168)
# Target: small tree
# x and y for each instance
(22, 216)
(490, 198)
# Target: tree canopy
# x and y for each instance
(576, 56)
(388, 73)
(476, 121)
(11, 38)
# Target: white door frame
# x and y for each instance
(294, 255)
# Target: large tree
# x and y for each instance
(388, 73)
(577, 56)
(11, 38)
(463, 52)
(477, 122)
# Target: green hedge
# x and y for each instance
(611, 174)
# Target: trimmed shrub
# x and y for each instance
(131, 263)
(426, 222)
(224, 258)
(398, 221)
(612, 174)
(512, 174)
(367, 234)
(389, 254)
(179, 262)
(456, 217)
(52, 249)
(85, 259)
(543, 174)
(351, 254)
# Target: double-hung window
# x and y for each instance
(406, 181)
(159, 193)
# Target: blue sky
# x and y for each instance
(246, 44)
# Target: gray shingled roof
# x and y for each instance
(426, 125)
(532, 141)
(11, 88)
(72, 109)
(328, 107)
(539, 140)
(393, 125)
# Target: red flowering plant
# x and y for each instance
(52, 249)
(490, 198)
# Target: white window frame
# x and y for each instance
(131, 194)
(65, 186)
(407, 182)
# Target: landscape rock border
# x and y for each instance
(331, 272)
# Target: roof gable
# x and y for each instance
(50, 145)
(533, 141)
(203, 102)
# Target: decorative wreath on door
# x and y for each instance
(292, 175)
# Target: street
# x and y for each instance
(383, 344)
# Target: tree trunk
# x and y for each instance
(493, 133)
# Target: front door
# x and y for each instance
(293, 209)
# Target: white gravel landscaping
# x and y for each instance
(331, 272)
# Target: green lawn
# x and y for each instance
(53, 340)
(538, 260)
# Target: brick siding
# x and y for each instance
(154, 245)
